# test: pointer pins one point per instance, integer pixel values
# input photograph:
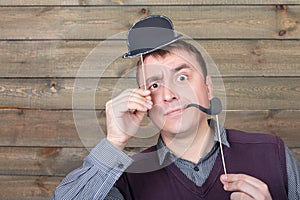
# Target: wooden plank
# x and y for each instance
(278, 122)
(55, 128)
(37, 128)
(140, 2)
(64, 59)
(27, 187)
(262, 93)
(40, 161)
(242, 93)
(47, 161)
(206, 22)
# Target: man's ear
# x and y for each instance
(209, 86)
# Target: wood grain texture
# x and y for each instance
(283, 123)
(140, 2)
(38, 128)
(48, 161)
(242, 93)
(22, 59)
(44, 46)
(27, 187)
(40, 161)
(206, 22)
(56, 129)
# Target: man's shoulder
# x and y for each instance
(238, 136)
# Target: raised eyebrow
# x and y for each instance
(180, 67)
(159, 77)
(153, 78)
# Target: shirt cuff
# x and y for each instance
(110, 156)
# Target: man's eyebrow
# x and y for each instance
(159, 77)
(153, 78)
(180, 67)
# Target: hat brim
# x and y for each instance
(144, 51)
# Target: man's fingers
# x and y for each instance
(242, 186)
(143, 93)
(254, 182)
(239, 196)
(134, 106)
(246, 184)
(137, 99)
(251, 180)
(132, 100)
(124, 114)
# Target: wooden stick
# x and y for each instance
(143, 71)
(222, 153)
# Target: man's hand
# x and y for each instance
(124, 114)
(245, 187)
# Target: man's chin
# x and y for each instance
(175, 129)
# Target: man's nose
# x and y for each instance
(169, 94)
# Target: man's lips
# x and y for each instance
(174, 112)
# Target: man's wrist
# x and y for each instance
(118, 144)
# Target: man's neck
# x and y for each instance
(191, 146)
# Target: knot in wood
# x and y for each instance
(282, 32)
(53, 87)
(144, 11)
(281, 7)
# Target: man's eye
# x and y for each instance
(154, 85)
(182, 77)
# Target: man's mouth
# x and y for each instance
(174, 112)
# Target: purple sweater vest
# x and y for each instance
(258, 155)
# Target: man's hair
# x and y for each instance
(177, 45)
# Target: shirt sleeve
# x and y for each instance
(293, 173)
(96, 177)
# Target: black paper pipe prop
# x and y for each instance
(214, 109)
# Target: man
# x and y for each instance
(186, 163)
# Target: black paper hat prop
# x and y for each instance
(150, 34)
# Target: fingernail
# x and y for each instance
(224, 177)
(149, 102)
(146, 92)
(225, 187)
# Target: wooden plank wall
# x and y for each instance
(43, 43)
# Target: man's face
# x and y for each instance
(175, 80)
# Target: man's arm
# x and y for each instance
(106, 162)
(96, 177)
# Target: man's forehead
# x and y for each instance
(178, 59)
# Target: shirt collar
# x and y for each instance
(163, 150)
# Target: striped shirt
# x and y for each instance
(105, 164)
